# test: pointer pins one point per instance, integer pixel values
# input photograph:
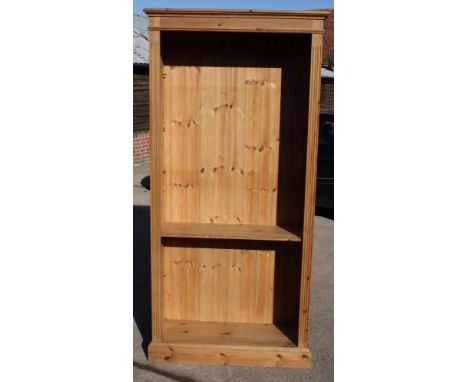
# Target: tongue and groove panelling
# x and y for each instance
(220, 129)
(221, 154)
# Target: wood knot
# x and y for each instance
(263, 147)
(191, 123)
(223, 106)
(251, 82)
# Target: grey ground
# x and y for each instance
(320, 324)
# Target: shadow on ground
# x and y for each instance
(326, 212)
(142, 273)
(142, 286)
(145, 182)
(324, 198)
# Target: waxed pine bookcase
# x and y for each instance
(234, 108)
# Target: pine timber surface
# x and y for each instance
(227, 231)
(231, 20)
(224, 333)
(156, 97)
(234, 123)
(311, 176)
(218, 280)
(230, 355)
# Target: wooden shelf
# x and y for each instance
(227, 231)
(224, 333)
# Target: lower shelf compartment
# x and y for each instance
(225, 333)
(248, 344)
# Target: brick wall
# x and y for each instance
(141, 139)
(327, 95)
(141, 146)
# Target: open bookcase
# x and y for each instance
(234, 107)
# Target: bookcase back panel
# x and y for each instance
(221, 126)
(217, 281)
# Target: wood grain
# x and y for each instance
(207, 137)
(234, 130)
(227, 231)
(227, 24)
(233, 20)
(235, 285)
(224, 333)
(206, 284)
(223, 122)
(310, 189)
(211, 12)
(235, 168)
(156, 96)
(230, 355)
(216, 281)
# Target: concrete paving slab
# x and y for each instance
(320, 324)
(141, 194)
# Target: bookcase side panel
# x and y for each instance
(310, 190)
(156, 97)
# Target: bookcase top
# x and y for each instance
(321, 14)
(236, 20)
